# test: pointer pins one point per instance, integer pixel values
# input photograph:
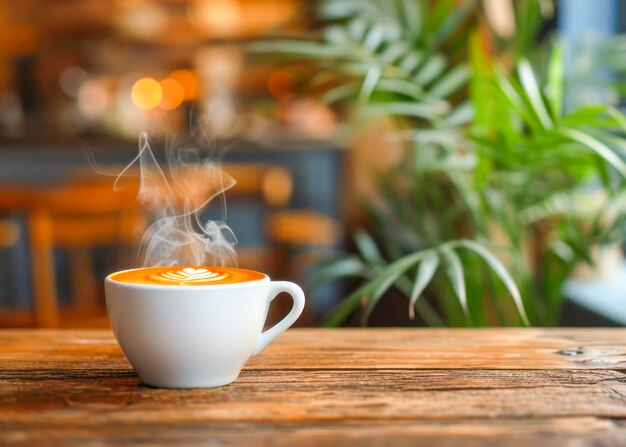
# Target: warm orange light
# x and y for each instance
(188, 80)
(216, 17)
(173, 94)
(281, 84)
(93, 98)
(146, 94)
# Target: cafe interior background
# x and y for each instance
(408, 162)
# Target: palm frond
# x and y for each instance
(425, 273)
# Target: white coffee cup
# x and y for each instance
(188, 336)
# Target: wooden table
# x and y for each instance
(313, 387)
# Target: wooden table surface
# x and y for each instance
(315, 387)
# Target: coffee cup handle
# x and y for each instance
(297, 295)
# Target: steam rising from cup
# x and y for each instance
(194, 181)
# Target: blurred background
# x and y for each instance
(307, 104)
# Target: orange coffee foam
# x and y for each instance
(187, 276)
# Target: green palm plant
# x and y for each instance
(399, 52)
(535, 162)
(492, 172)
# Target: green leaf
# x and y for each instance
(338, 9)
(455, 274)
(499, 270)
(444, 137)
(460, 116)
(339, 93)
(438, 11)
(354, 68)
(413, 15)
(367, 248)
(342, 268)
(453, 20)
(336, 35)
(514, 99)
(527, 18)
(302, 48)
(357, 29)
(401, 87)
(411, 61)
(563, 251)
(618, 117)
(584, 115)
(431, 69)
(596, 146)
(393, 52)
(385, 280)
(469, 196)
(373, 38)
(379, 285)
(552, 205)
(450, 82)
(418, 110)
(533, 94)
(554, 86)
(425, 273)
(369, 84)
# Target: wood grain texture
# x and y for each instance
(437, 387)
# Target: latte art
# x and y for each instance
(189, 275)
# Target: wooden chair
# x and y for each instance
(271, 186)
(76, 218)
(10, 233)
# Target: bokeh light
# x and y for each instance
(93, 98)
(188, 80)
(216, 17)
(146, 94)
(71, 79)
(143, 20)
(173, 94)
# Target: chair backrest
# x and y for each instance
(10, 233)
(77, 217)
(272, 184)
(92, 215)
